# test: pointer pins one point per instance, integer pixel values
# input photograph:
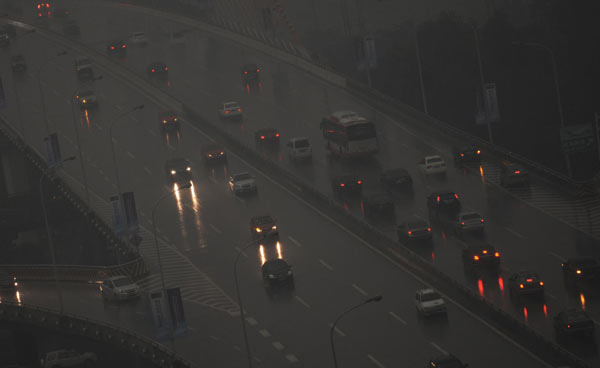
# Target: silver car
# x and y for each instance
(119, 288)
(471, 222)
(230, 110)
(242, 183)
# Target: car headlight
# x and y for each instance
(173, 172)
(188, 168)
(271, 276)
(164, 121)
(84, 100)
(258, 230)
(175, 119)
(210, 155)
(274, 227)
(222, 153)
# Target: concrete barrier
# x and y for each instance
(66, 323)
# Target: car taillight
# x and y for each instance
(342, 185)
(277, 134)
(257, 70)
(410, 233)
(478, 152)
(166, 68)
(226, 112)
(112, 47)
(462, 223)
(517, 171)
(359, 182)
(462, 155)
(245, 72)
(262, 137)
(123, 46)
(568, 326)
(455, 195)
(481, 221)
(438, 198)
(578, 272)
(484, 251)
(240, 109)
(497, 254)
(429, 229)
(521, 286)
(541, 283)
(476, 257)
(153, 70)
(529, 280)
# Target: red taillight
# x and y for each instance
(517, 171)
(568, 326)
(497, 254)
(462, 223)
(476, 257)
(245, 72)
(257, 70)
(226, 112)
(484, 251)
(112, 47)
(359, 182)
(47, 5)
(240, 109)
(481, 221)
(529, 280)
(478, 152)
(455, 195)
(342, 185)
(39, 6)
(262, 137)
(152, 70)
(438, 198)
(277, 134)
(166, 68)
(429, 229)
(541, 283)
(462, 155)
(123, 46)
(410, 233)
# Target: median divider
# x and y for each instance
(69, 324)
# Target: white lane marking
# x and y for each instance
(325, 264)
(170, 147)
(277, 345)
(118, 107)
(133, 118)
(214, 338)
(381, 253)
(295, 241)
(557, 256)
(375, 361)
(398, 318)
(438, 348)
(240, 250)
(240, 199)
(56, 93)
(359, 289)
(251, 321)
(216, 229)
(302, 301)
(340, 332)
(147, 170)
(518, 235)
(130, 154)
(291, 358)
(264, 333)
(152, 132)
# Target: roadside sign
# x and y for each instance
(577, 138)
(370, 54)
(492, 102)
(53, 151)
(176, 308)
(131, 217)
(161, 323)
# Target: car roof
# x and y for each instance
(444, 193)
(178, 161)
(395, 172)
(416, 223)
(239, 174)
(480, 246)
(212, 146)
(86, 92)
(343, 177)
(380, 197)
(264, 130)
(275, 264)
(250, 66)
(167, 112)
(433, 156)
(298, 139)
(464, 214)
(231, 103)
(262, 219)
(426, 291)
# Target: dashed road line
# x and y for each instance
(291, 358)
(147, 170)
(152, 132)
(438, 348)
(302, 301)
(216, 229)
(56, 93)
(357, 288)
(130, 155)
(240, 250)
(295, 241)
(375, 361)
(277, 345)
(337, 330)
(557, 256)
(264, 333)
(118, 107)
(397, 317)
(251, 321)
(326, 265)
(133, 118)
(515, 233)
(170, 147)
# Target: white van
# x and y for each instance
(299, 148)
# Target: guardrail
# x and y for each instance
(71, 324)
(96, 221)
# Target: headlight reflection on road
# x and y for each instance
(18, 295)
(279, 250)
(87, 117)
(261, 251)
(582, 300)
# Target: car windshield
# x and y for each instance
(430, 296)
(231, 105)
(240, 177)
(123, 281)
(416, 224)
(178, 162)
(471, 216)
(360, 131)
(138, 35)
(302, 143)
(447, 196)
(263, 220)
(86, 93)
(433, 160)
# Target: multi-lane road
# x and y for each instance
(333, 269)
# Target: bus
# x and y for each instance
(349, 135)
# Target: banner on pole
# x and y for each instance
(161, 322)
(176, 308)
(53, 151)
(130, 211)
(492, 102)
(117, 215)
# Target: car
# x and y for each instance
(468, 222)
(68, 358)
(7, 282)
(513, 175)
(263, 226)
(379, 204)
(299, 149)
(396, 180)
(466, 154)
(581, 269)
(44, 9)
(17, 63)
(443, 203)
(230, 110)
(481, 256)
(71, 28)
(250, 74)
(429, 302)
(573, 322)
(267, 136)
(242, 183)
(525, 283)
(178, 170)
(4, 39)
(432, 165)
(116, 48)
(61, 13)
(168, 119)
(157, 69)
(213, 152)
(346, 184)
(138, 39)
(119, 288)
(447, 361)
(277, 274)
(86, 99)
(414, 230)
(83, 67)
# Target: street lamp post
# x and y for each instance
(486, 107)
(49, 235)
(420, 68)
(39, 80)
(76, 129)
(114, 156)
(162, 275)
(239, 300)
(17, 98)
(556, 87)
(331, 330)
